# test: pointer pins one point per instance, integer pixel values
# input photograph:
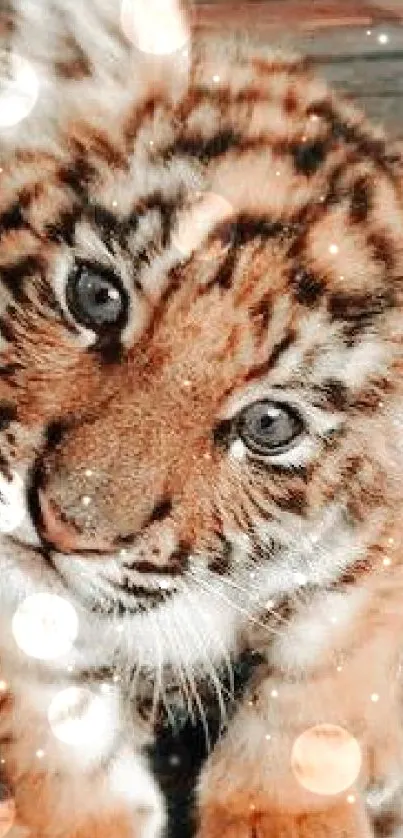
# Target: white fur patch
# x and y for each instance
(313, 631)
(131, 781)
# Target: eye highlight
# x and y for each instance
(269, 428)
(96, 299)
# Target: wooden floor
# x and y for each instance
(301, 14)
(357, 43)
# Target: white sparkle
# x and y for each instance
(3, 686)
(374, 697)
(278, 173)
(2, 761)
(216, 78)
(114, 203)
(369, 31)
(237, 450)
(333, 249)
(45, 626)
(391, 540)
(350, 798)
(86, 500)
(88, 472)
(274, 693)
(314, 117)
(116, 679)
(120, 628)
(267, 737)
(151, 143)
(339, 668)
(270, 604)
(387, 561)
(19, 89)
(186, 382)
(40, 753)
(383, 38)
(301, 578)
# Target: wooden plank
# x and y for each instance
(302, 15)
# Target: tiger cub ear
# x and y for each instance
(110, 46)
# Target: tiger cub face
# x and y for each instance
(200, 357)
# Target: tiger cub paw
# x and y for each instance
(229, 822)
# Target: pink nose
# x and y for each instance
(62, 535)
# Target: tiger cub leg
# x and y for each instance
(248, 788)
(87, 790)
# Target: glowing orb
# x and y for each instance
(326, 759)
(19, 89)
(157, 27)
(205, 225)
(12, 495)
(45, 626)
(7, 810)
(78, 716)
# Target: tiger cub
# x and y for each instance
(201, 261)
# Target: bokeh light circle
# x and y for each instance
(45, 626)
(7, 810)
(19, 88)
(205, 226)
(78, 716)
(326, 759)
(12, 495)
(155, 27)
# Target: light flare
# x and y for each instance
(19, 89)
(326, 759)
(156, 27)
(45, 626)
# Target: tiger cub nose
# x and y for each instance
(61, 534)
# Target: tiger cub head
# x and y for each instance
(200, 407)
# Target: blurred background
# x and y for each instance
(357, 43)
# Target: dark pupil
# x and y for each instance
(98, 300)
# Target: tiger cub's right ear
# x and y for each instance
(100, 53)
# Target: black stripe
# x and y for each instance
(361, 200)
(8, 414)
(203, 148)
(307, 287)
(383, 249)
(278, 350)
(309, 156)
(12, 218)
(224, 275)
(248, 227)
(368, 146)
